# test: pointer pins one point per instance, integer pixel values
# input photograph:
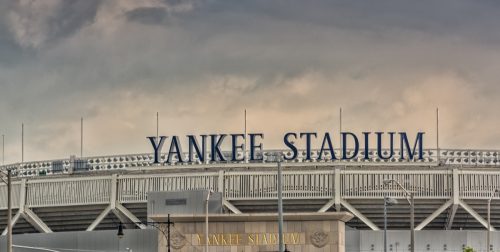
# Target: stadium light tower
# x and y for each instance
(488, 235)
(410, 199)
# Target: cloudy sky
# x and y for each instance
(200, 63)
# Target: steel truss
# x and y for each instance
(337, 188)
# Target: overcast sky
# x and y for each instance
(291, 64)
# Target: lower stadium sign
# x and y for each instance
(252, 239)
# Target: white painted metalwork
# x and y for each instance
(68, 191)
(326, 183)
(263, 185)
(478, 185)
(256, 185)
(16, 187)
(450, 157)
(135, 188)
(369, 183)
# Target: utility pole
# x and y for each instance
(206, 219)
(280, 205)
(385, 222)
(411, 201)
(488, 232)
(488, 237)
(168, 232)
(9, 210)
(412, 224)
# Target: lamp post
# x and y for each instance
(206, 220)
(387, 202)
(9, 208)
(280, 206)
(411, 201)
(276, 157)
(488, 234)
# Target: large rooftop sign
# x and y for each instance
(205, 148)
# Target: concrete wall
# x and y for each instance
(136, 240)
(425, 240)
(356, 241)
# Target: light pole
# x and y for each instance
(276, 157)
(411, 201)
(280, 206)
(3, 149)
(9, 208)
(488, 235)
(387, 202)
(206, 220)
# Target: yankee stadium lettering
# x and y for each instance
(205, 148)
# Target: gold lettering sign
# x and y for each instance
(250, 239)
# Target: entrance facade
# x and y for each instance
(302, 232)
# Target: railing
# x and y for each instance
(16, 194)
(255, 185)
(263, 185)
(478, 185)
(448, 157)
(132, 189)
(430, 184)
(81, 191)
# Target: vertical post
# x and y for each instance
(3, 149)
(206, 221)
(412, 224)
(437, 137)
(157, 131)
(9, 210)
(245, 149)
(280, 206)
(81, 138)
(168, 233)
(489, 227)
(22, 143)
(337, 187)
(340, 128)
(385, 223)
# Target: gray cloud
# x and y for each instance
(39, 23)
(148, 15)
(389, 64)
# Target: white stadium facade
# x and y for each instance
(451, 189)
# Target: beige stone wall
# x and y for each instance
(241, 236)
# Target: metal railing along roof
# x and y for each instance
(446, 157)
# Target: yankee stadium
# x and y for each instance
(89, 200)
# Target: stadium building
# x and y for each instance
(80, 204)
